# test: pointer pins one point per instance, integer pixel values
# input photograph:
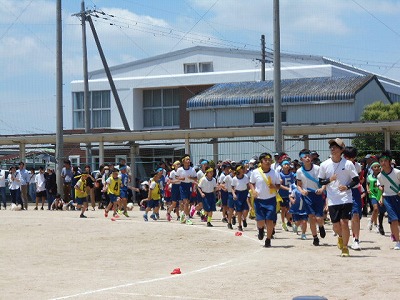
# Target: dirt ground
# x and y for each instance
(57, 255)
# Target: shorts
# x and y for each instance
(314, 204)
(231, 203)
(265, 209)
(297, 217)
(175, 192)
(80, 201)
(224, 198)
(241, 201)
(185, 190)
(392, 204)
(374, 201)
(41, 194)
(153, 203)
(357, 203)
(285, 202)
(340, 212)
(209, 202)
(124, 193)
(113, 198)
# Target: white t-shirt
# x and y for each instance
(200, 174)
(40, 182)
(263, 191)
(240, 184)
(228, 183)
(345, 172)
(383, 181)
(186, 173)
(305, 181)
(2, 178)
(207, 185)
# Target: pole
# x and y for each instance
(86, 95)
(59, 96)
(278, 136)
(263, 57)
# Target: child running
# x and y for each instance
(375, 195)
(81, 194)
(287, 178)
(187, 175)
(297, 209)
(113, 188)
(240, 191)
(154, 197)
(207, 188)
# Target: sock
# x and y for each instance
(209, 219)
(315, 236)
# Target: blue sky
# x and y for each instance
(362, 33)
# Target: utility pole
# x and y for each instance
(86, 95)
(278, 135)
(263, 57)
(59, 96)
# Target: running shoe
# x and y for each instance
(230, 226)
(381, 230)
(157, 216)
(284, 227)
(182, 218)
(115, 215)
(289, 224)
(153, 217)
(82, 216)
(316, 241)
(303, 236)
(376, 228)
(295, 228)
(340, 243)
(356, 245)
(145, 218)
(233, 220)
(119, 212)
(209, 224)
(224, 220)
(322, 231)
(240, 228)
(203, 218)
(244, 223)
(169, 218)
(125, 213)
(397, 246)
(106, 214)
(261, 234)
(267, 243)
(345, 252)
(369, 225)
(189, 222)
(192, 211)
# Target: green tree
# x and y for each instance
(374, 142)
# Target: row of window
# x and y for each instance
(202, 67)
(160, 109)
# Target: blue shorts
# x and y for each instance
(231, 203)
(185, 190)
(265, 209)
(113, 198)
(175, 192)
(124, 193)
(285, 202)
(80, 201)
(357, 204)
(241, 201)
(314, 204)
(224, 198)
(392, 204)
(297, 217)
(209, 202)
(374, 201)
(153, 203)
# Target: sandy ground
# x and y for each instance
(57, 255)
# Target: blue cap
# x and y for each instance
(204, 162)
(159, 170)
(285, 162)
(122, 168)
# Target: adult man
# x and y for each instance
(340, 176)
(309, 187)
(66, 174)
(24, 184)
(264, 182)
(389, 183)
(3, 188)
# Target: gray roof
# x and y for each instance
(292, 91)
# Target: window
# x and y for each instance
(206, 67)
(100, 109)
(75, 160)
(190, 68)
(161, 108)
(267, 117)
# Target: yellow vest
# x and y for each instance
(114, 186)
(81, 192)
(155, 193)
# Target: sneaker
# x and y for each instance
(230, 226)
(42, 208)
(233, 220)
(106, 214)
(244, 223)
(209, 224)
(267, 243)
(261, 234)
(192, 211)
(240, 228)
(316, 241)
(345, 252)
(303, 236)
(169, 218)
(119, 212)
(33, 209)
(82, 216)
(289, 224)
(145, 218)
(295, 228)
(224, 220)
(397, 246)
(322, 231)
(392, 237)
(125, 213)
(369, 225)
(182, 218)
(189, 222)
(376, 228)
(340, 243)
(115, 215)
(158, 216)
(153, 217)
(356, 245)
(203, 218)
(381, 230)
(284, 227)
